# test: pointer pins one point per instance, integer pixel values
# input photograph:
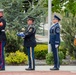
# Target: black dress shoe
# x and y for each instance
(28, 69)
(54, 68)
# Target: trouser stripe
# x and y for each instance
(31, 57)
(1, 54)
(57, 59)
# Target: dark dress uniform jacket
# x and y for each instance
(29, 40)
(2, 28)
(55, 34)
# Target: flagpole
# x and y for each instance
(49, 23)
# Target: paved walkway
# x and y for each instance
(40, 70)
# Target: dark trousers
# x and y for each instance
(2, 59)
(31, 58)
(55, 55)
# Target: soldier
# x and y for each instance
(30, 42)
(55, 41)
(2, 40)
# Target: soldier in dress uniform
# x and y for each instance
(2, 40)
(30, 42)
(55, 41)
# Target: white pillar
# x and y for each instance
(49, 22)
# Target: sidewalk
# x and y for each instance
(40, 70)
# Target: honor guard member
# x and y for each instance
(55, 41)
(2, 40)
(30, 42)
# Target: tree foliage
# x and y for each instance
(69, 27)
(71, 7)
(16, 13)
(13, 14)
(38, 10)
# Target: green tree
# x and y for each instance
(13, 14)
(69, 27)
(16, 16)
(38, 10)
(17, 11)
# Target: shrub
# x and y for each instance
(13, 42)
(50, 59)
(68, 31)
(63, 49)
(61, 56)
(16, 58)
(41, 51)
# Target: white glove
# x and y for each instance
(56, 46)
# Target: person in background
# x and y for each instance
(2, 40)
(55, 41)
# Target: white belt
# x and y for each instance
(3, 30)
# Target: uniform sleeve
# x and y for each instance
(57, 41)
(30, 32)
(4, 24)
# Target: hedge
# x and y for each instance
(16, 58)
(41, 51)
(50, 59)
